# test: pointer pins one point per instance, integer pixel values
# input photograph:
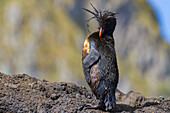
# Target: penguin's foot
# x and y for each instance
(91, 106)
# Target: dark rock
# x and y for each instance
(22, 93)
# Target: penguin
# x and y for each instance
(99, 60)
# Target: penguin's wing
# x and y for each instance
(91, 58)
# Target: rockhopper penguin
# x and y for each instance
(99, 60)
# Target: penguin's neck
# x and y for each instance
(108, 33)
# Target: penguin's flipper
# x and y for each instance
(89, 61)
(91, 58)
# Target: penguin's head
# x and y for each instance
(106, 20)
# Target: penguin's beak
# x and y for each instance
(100, 32)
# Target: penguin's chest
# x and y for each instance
(95, 79)
(94, 73)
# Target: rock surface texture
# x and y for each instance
(22, 93)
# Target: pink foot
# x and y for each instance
(91, 106)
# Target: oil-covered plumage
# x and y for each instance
(99, 60)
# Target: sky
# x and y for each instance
(162, 11)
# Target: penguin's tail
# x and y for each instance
(110, 100)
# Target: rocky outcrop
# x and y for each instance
(47, 39)
(22, 93)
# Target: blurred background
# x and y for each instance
(44, 38)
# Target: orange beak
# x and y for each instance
(100, 32)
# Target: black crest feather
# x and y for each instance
(100, 16)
